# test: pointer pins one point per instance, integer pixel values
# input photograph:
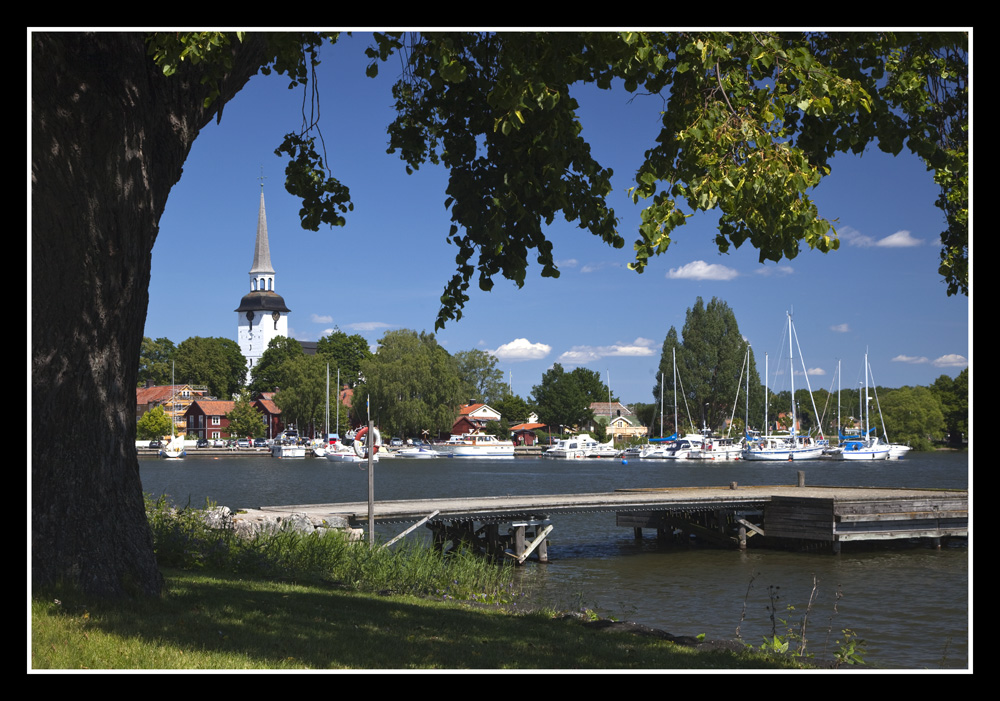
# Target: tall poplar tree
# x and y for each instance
(711, 365)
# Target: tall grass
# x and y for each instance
(183, 539)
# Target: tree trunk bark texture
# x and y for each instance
(109, 137)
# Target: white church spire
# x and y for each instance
(262, 314)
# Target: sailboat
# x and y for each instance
(866, 447)
(174, 448)
(785, 447)
(674, 447)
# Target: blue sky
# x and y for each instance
(387, 267)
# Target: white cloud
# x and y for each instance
(368, 326)
(853, 237)
(578, 355)
(521, 349)
(811, 372)
(320, 318)
(769, 270)
(901, 239)
(911, 359)
(700, 270)
(597, 267)
(952, 360)
(840, 328)
(568, 263)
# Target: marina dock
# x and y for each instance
(790, 516)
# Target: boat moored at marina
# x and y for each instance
(475, 444)
(581, 446)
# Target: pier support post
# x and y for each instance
(637, 533)
(802, 478)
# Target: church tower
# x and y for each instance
(262, 314)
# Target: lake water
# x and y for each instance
(910, 605)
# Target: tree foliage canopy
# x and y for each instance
(244, 420)
(155, 423)
(154, 361)
(215, 362)
(562, 399)
(749, 123)
(268, 374)
(482, 381)
(411, 385)
(344, 352)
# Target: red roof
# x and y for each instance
(526, 427)
(159, 393)
(469, 408)
(269, 406)
(213, 407)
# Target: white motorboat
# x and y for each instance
(281, 449)
(683, 448)
(867, 449)
(476, 444)
(415, 451)
(716, 448)
(580, 446)
(338, 452)
(898, 451)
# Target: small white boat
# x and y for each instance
(418, 452)
(476, 444)
(867, 449)
(355, 447)
(716, 448)
(897, 451)
(867, 446)
(173, 449)
(580, 446)
(287, 450)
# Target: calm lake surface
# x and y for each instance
(910, 605)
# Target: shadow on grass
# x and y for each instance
(272, 625)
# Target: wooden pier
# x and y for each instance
(780, 516)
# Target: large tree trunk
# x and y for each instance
(109, 135)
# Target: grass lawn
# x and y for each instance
(208, 622)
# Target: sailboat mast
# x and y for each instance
(661, 404)
(676, 424)
(791, 372)
(766, 428)
(866, 396)
(746, 421)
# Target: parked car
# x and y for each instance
(156, 444)
(259, 443)
(242, 443)
(395, 441)
(202, 443)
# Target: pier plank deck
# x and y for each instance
(722, 514)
